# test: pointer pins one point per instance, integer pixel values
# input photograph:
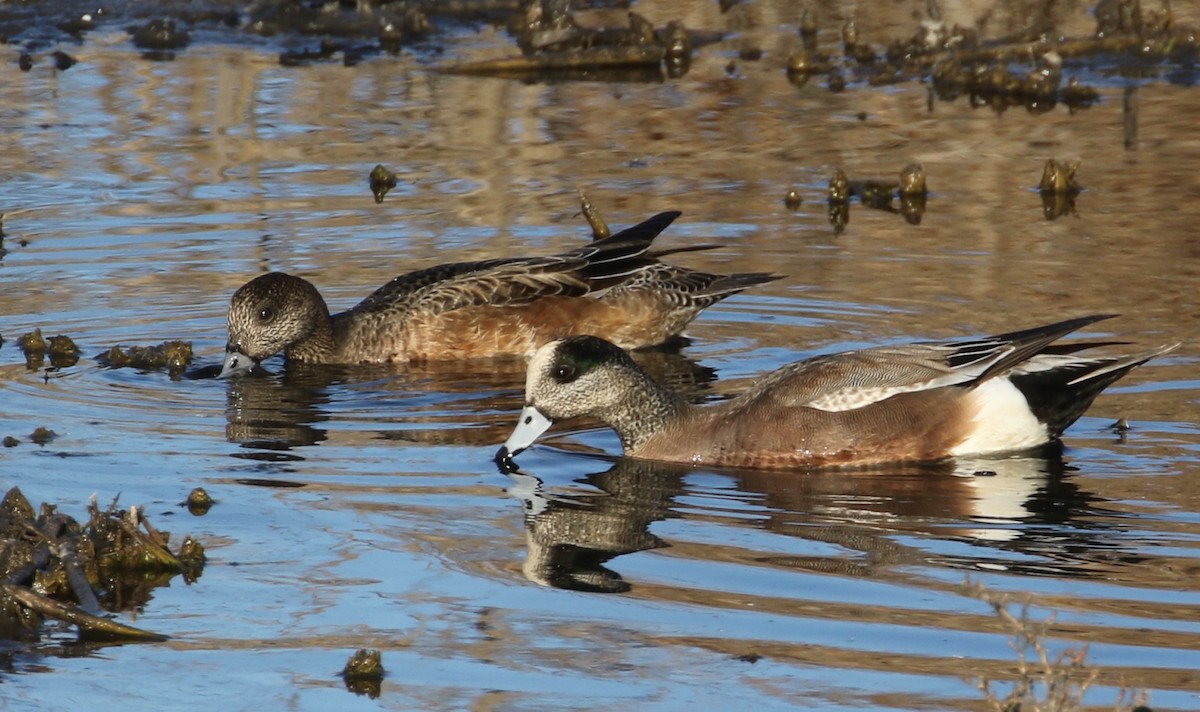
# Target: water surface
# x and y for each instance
(138, 195)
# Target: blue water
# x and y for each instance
(148, 192)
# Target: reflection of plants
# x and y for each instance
(1043, 683)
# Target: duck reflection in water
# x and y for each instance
(571, 536)
(1015, 512)
(456, 403)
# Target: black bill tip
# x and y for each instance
(504, 460)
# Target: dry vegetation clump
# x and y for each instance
(1044, 682)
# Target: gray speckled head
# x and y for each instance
(273, 313)
(588, 376)
(577, 376)
(567, 378)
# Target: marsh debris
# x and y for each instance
(1058, 189)
(1022, 69)
(63, 61)
(1059, 177)
(839, 201)
(860, 52)
(602, 43)
(994, 84)
(53, 566)
(381, 180)
(553, 26)
(364, 673)
(604, 40)
(906, 196)
(1121, 428)
(174, 356)
(1058, 205)
(62, 350)
(1077, 96)
(808, 28)
(198, 501)
(355, 30)
(808, 60)
(912, 180)
(32, 342)
(677, 49)
(393, 24)
(594, 218)
(835, 82)
(3, 250)
(78, 25)
(352, 53)
(604, 63)
(806, 63)
(160, 38)
(839, 186)
(42, 435)
(192, 558)
(792, 201)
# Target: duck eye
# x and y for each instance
(565, 373)
(266, 314)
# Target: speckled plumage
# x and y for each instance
(912, 403)
(508, 306)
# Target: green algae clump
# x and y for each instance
(363, 673)
(174, 356)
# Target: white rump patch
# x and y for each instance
(1003, 420)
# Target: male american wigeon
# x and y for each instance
(910, 403)
(508, 306)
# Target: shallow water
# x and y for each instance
(360, 508)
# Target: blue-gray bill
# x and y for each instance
(235, 362)
(530, 426)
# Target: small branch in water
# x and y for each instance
(90, 626)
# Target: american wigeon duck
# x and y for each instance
(615, 286)
(910, 403)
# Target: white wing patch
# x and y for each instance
(850, 398)
(853, 397)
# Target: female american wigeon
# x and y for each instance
(615, 286)
(910, 403)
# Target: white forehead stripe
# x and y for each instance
(538, 364)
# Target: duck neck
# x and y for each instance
(319, 345)
(645, 410)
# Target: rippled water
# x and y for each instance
(360, 508)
